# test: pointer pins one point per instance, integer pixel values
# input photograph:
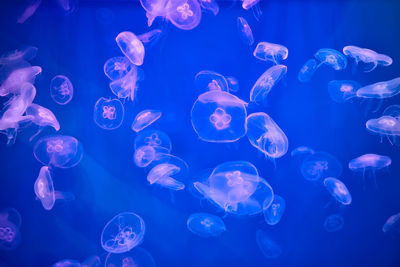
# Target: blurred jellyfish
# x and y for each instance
(268, 247)
(131, 46)
(18, 78)
(233, 84)
(219, 117)
(365, 58)
(10, 222)
(320, 165)
(108, 113)
(342, 90)
(265, 135)
(245, 32)
(247, 4)
(123, 232)
(154, 138)
(145, 118)
(144, 156)
(265, 83)
(210, 5)
(136, 257)
(392, 224)
(393, 111)
(208, 80)
(61, 90)
(273, 213)
(154, 8)
(67, 263)
(29, 11)
(300, 153)
(270, 52)
(184, 14)
(205, 225)
(116, 68)
(307, 71)
(151, 37)
(369, 163)
(126, 86)
(18, 55)
(68, 5)
(333, 223)
(338, 190)
(92, 261)
(380, 90)
(42, 117)
(332, 58)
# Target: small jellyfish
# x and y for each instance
(170, 172)
(144, 156)
(366, 59)
(136, 257)
(61, 90)
(380, 90)
(369, 163)
(154, 138)
(210, 5)
(184, 14)
(219, 116)
(29, 11)
(10, 222)
(116, 68)
(270, 52)
(145, 118)
(233, 84)
(392, 224)
(338, 190)
(127, 86)
(205, 225)
(42, 117)
(320, 165)
(265, 83)
(123, 232)
(265, 135)
(245, 32)
(67, 263)
(332, 58)
(247, 4)
(17, 78)
(384, 125)
(307, 71)
(333, 223)
(151, 37)
(342, 90)
(268, 247)
(18, 55)
(273, 213)
(131, 47)
(208, 80)
(108, 113)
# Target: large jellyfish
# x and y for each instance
(338, 190)
(154, 138)
(342, 90)
(145, 118)
(10, 222)
(131, 46)
(273, 213)
(136, 257)
(184, 14)
(380, 90)
(270, 52)
(42, 117)
(365, 58)
(108, 113)
(245, 32)
(116, 68)
(333, 223)
(61, 90)
(127, 86)
(392, 224)
(265, 135)
(332, 58)
(268, 247)
(123, 232)
(307, 71)
(369, 163)
(205, 224)
(320, 165)
(208, 80)
(210, 5)
(385, 126)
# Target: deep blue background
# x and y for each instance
(107, 182)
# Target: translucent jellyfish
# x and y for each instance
(208, 80)
(108, 113)
(184, 14)
(219, 117)
(145, 118)
(273, 213)
(92, 261)
(307, 71)
(210, 5)
(29, 11)
(342, 90)
(265, 83)
(127, 86)
(233, 84)
(247, 4)
(144, 156)
(68, 5)
(338, 190)
(384, 125)
(365, 58)
(123, 232)
(116, 68)
(380, 90)
(42, 117)
(18, 55)
(151, 37)
(369, 164)
(154, 138)
(154, 8)
(301, 152)
(67, 263)
(61, 90)
(59, 151)
(205, 225)
(270, 52)
(171, 172)
(333, 223)
(18, 78)
(392, 224)
(265, 135)
(137, 257)
(332, 58)
(245, 32)
(320, 165)
(268, 247)
(10, 222)
(131, 46)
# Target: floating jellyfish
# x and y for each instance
(116, 68)
(126, 87)
(218, 116)
(333, 223)
(265, 83)
(208, 80)
(123, 232)
(144, 156)
(369, 163)
(137, 257)
(301, 152)
(265, 135)
(10, 222)
(184, 14)
(18, 78)
(392, 224)
(273, 213)
(68, 5)
(151, 37)
(145, 118)
(59, 151)
(233, 84)
(338, 190)
(268, 247)
(307, 71)
(131, 47)
(384, 125)
(210, 5)
(367, 59)
(42, 117)
(380, 90)
(61, 90)
(108, 113)
(154, 8)
(320, 165)
(245, 32)
(205, 225)
(29, 11)
(332, 58)
(247, 4)
(92, 261)
(154, 138)
(340, 91)
(67, 263)
(270, 52)
(170, 172)
(16, 56)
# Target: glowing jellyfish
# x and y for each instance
(10, 222)
(332, 58)
(247, 4)
(18, 55)
(333, 223)
(131, 46)
(144, 156)
(307, 71)
(18, 78)
(366, 59)
(369, 163)
(126, 86)
(61, 90)
(210, 5)
(205, 225)
(338, 190)
(170, 172)
(270, 52)
(145, 118)
(184, 14)
(59, 151)
(151, 37)
(67, 263)
(208, 80)
(342, 90)
(123, 232)
(320, 165)
(384, 125)
(108, 113)
(268, 247)
(265, 135)
(273, 213)
(137, 257)
(42, 116)
(380, 90)
(265, 83)
(154, 138)
(233, 84)
(154, 8)
(301, 152)
(219, 117)
(116, 68)
(392, 224)
(245, 32)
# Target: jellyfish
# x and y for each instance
(265, 83)
(392, 224)
(369, 163)
(268, 247)
(338, 190)
(144, 156)
(365, 58)
(154, 138)
(123, 232)
(29, 11)
(131, 47)
(59, 151)
(205, 225)
(25, 54)
(68, 5)
(320, 165)
(380, 90)
(154, 9)
(307, 71)
(17, 78)
(247, 4)
(92, 261)
(126, 86)
(233, 84)
(117, 68)
(301, 152)
(151, 37)
(208, 80)
(10, 222)
(170, 172)
(210, 6)
(265, 135)
(273, 213)
(184, 14)
(271, 52)
(67, 263)
(385, 126)
(333, 223)
(342, 90)
(245, 32)
(332, 58)
(42, 117)
(136, 257)
(145, 118)
(108, 113)
(219, 117)
(61, 90)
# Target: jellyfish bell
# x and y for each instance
(369, 164)
(10, 222)
(154, 9)
(116, 68)
(157, 139)
(273, 213)
(108, 113)
(16, 79)
(341, 91)
(338, 190)
(61, 89)
(385, 126)
(184, 14)
(136, 257)
(210, 6)
(320, 165)
(392, 224)
(307, 71)
(131, 47)
(205, 225)
(332, 58)
(42, 117)
(247, 4)
(245, 32)
(127, 86)
(67, 263)
(301, 152)
(380, 90)
(365, 58)
(207, 80)
(268, 247)
(333, 223)
(270, 52)
(145, 118)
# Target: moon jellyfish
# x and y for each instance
(126, 86)
(265, 135)
(67, 263)
(392, 224)
(338, 190)
(320, 165)
(144, 156)
(59, 151)
(385, 126)
(307, 71)
(380, 90)
(116, 68)
(205, 225)
(108, 113)
(247, 4)
(18, 78)
(342, 90)
(210, 5)
(137, 257)
(123, 232)
(301, 152)
(61, 90)
(131, 47)
(208, 80)
(170, 173)
(219, 117)
(18, 55)
(151, 37)
(10, 222)
(273, 213)
(245, 32)
(42, 116)
(265, 83)
(184, 14)
(333, 223)
(233, 84)
(332, 58)
(369, 163)
(365, 58)
(145, 118)
(154, 138)
(270, 52)
(268, 247)
(154, 8)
